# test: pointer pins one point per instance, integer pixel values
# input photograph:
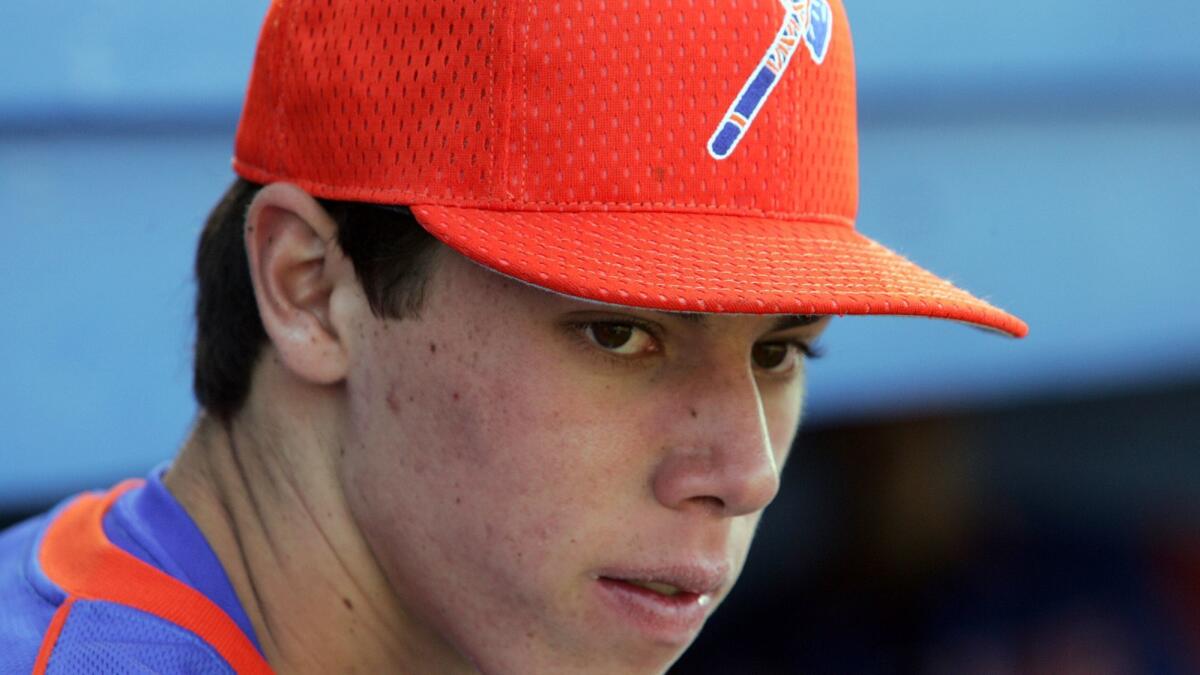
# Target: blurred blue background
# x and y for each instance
(1044, 155)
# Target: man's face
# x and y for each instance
(553, 485)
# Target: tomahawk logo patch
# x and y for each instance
(808, 22)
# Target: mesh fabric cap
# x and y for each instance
(585, 146)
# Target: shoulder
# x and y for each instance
(106, 637)
(26, 606)
(43, 628)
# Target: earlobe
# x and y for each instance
(295, 265)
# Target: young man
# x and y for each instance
(500, 341)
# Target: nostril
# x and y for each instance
(710, 503)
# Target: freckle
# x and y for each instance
(458, 500)
(410, 399)
(693, 412)
(432, 348)
(455, 396)
(349, 605)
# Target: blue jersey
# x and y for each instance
(122, 581)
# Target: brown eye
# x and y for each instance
(773, 356)
(622, 339)
(610, 335)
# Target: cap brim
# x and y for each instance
(706, 263)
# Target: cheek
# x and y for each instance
(502, 464)
(490, 487)
(547, 459)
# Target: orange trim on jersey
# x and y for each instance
(51, 638)
(77, 556)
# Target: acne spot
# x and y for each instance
(458, 500)
(693, 413)
(432, 347)
(454, 396)
(349, 605)
(393, 400)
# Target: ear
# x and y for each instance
(295, 265)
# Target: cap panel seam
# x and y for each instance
(506, 110)
(494, 159)
(408, 197)
(524, 149)
(280, 57)
(702, 209)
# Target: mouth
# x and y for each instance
(658, 591)
(667, 605)
(659, 587)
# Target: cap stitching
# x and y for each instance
(491, 103)
(502, 148)
(935, 287)
(524, 110)
(280, 56)
(950, 295)
(839, 220)
(406, 197)
(928, 289)
(423, 209)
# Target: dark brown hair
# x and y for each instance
(390, 252)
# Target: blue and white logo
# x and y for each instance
(807, 21)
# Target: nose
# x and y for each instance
(720, 459)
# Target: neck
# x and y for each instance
(267, 498)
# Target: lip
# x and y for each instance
(672, 620)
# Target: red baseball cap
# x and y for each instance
(697, 156)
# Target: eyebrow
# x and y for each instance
(781, 323)
(795, 321)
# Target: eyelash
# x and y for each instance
(806, 351)
(810, 351)
(578, 329)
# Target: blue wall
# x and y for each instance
(1045, 156)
